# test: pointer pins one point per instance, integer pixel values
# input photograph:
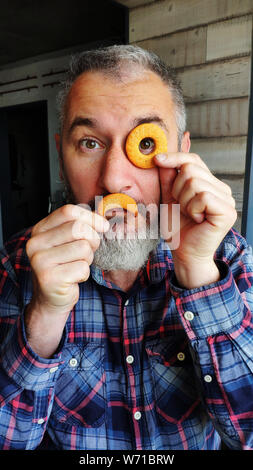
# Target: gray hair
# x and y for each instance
(111, 60)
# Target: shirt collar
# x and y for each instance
(159, 262)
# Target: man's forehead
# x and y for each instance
(100, 82)
(98, 97)
(94, 92)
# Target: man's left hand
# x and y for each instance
(207, 212)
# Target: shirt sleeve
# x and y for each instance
(218, 321)
(26, 380)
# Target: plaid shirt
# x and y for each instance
(159, 367)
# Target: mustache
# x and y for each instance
(140, 203)
(71, 199)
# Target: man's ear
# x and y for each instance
(57, 139)
(186, 142)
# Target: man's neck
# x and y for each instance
(122, 279)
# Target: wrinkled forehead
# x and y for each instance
(129, 90)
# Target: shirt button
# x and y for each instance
(181, 356)
(208, 378)
(53, 369)
(137, 415)
(41, 421)
(126, 302)
(73, 362)
(130, 359)
(188, 316)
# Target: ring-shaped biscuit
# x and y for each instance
(144, 131)
(117, 200)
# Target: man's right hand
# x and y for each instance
(60, 250)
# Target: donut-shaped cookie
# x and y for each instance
(134, 141)
(112, 201)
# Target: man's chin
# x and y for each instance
(124, 254)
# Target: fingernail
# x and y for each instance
(161, 157)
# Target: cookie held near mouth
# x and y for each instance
(139, 140)
(117, 200)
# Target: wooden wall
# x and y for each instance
(209, 43)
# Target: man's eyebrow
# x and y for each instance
(148, 119)
(82, 121)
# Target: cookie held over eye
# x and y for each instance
(117, 200)
(144, 142)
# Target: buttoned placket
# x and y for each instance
(130, 366)
(40, 415)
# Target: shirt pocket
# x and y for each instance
(80, 388)
(173, 378)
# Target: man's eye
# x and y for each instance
(147, 145)
(89, 144)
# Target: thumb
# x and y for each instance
(167, 177)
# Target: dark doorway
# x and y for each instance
(24, 166)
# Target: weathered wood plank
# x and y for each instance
(179, 49)
(229, 38)
(220, 80)
(222, 118)
(29, 82)
(238, 223)
(222, 155)
(236, 185)
(164, 17)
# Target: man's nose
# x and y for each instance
(117, 171)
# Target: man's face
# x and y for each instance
(100, 113)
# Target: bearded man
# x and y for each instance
(125, 342)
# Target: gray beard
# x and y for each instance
(118, 254)
(123, 254)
